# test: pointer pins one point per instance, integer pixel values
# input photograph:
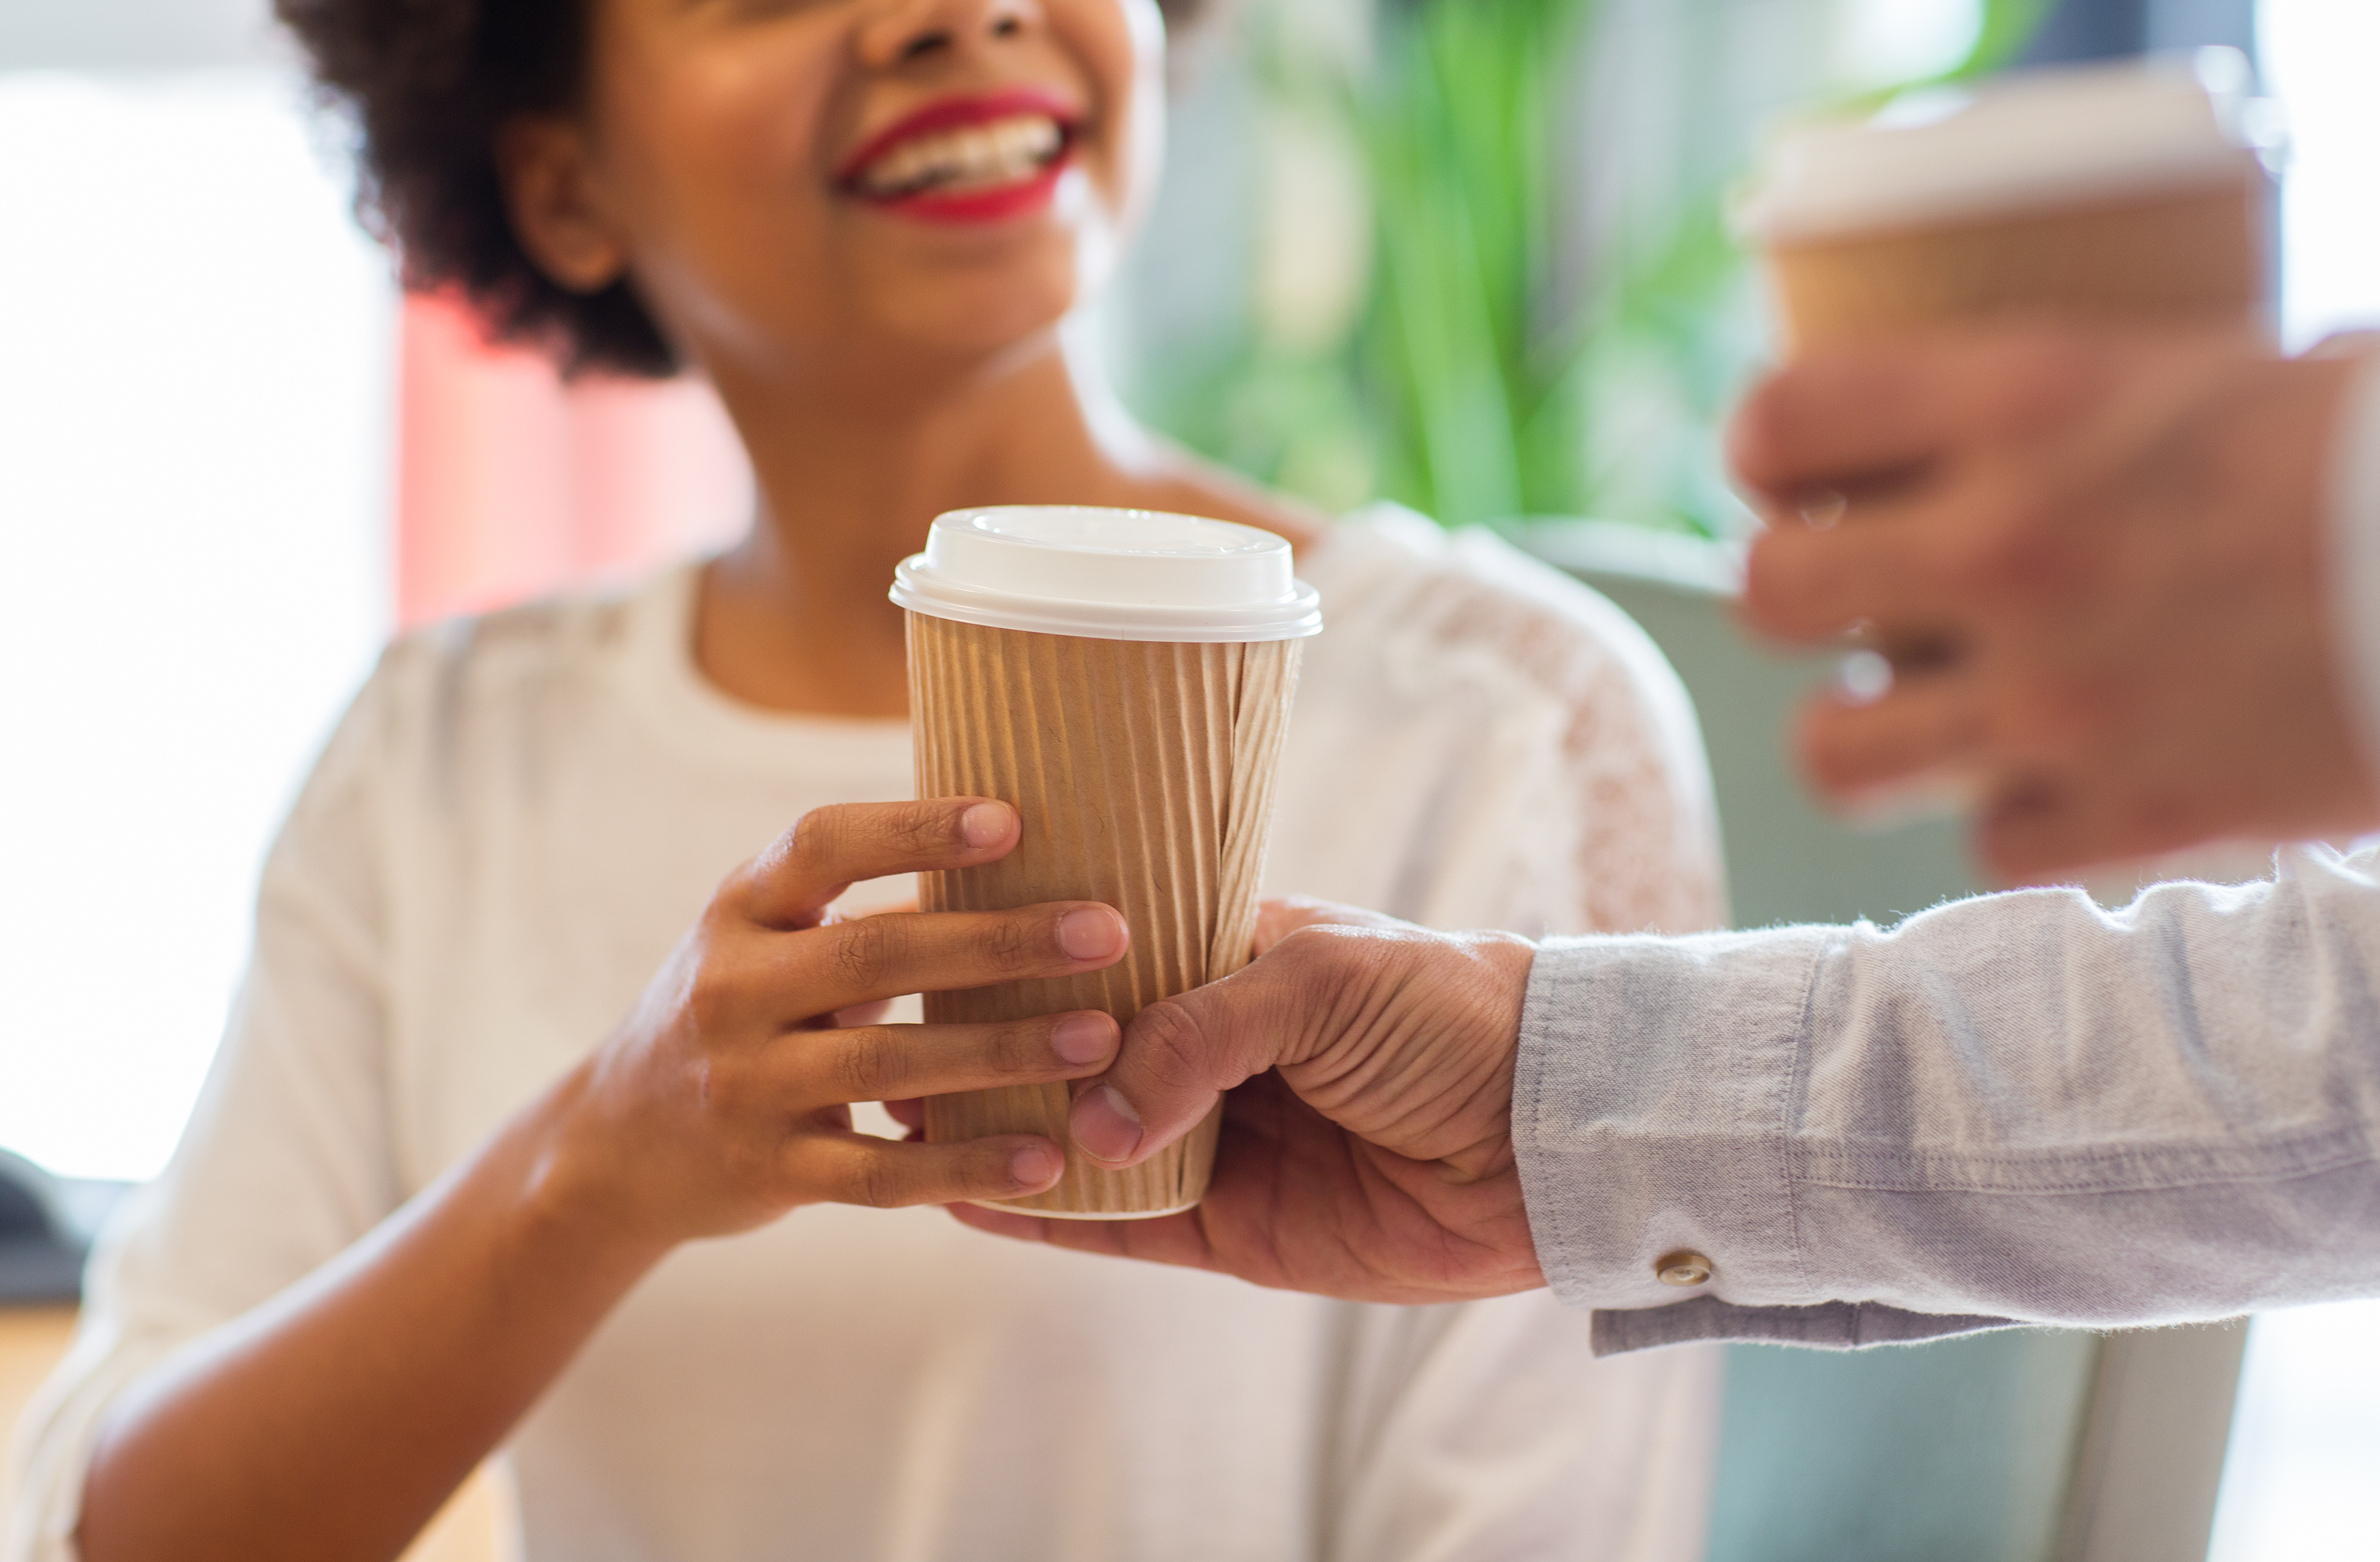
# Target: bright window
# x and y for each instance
(2302, 1477)
(2320, 58)
(194, 414)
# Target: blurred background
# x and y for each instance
(1468, 254)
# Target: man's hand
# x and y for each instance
(2093, 564)
(1368, 1134)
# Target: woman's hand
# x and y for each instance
(724, 1099)
(329, 1423)
(1368, 1129)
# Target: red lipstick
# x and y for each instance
(968, 206)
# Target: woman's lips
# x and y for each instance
(973, 158)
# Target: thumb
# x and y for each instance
(1179, 1056)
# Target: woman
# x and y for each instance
(442, 1194)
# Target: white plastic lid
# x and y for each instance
(1109, 575)
(2038, 139)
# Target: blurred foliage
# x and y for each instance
(1456, 351)
(1469, 366)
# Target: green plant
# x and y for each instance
(1479, 374)
(1466, 364)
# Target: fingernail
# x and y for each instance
(1091, 934)
(985, 824)
(1105, 1125)
(1034, 1167)
(1083, 1038)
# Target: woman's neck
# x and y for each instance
(795, 618)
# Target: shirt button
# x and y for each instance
(1684, 1267)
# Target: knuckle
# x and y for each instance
(722, 927)
(923, 830)
(712, 1000)
(813, 836)
(863, 952)
(2065, 715)
(737, 888)
(1020, 942)
(867, 1063)
(2003, 546)
(1753, 438)
(1020, 1045)
(755, 1164)
(1335, 944)
(1772, 578)
(1965, 726)
(1171, 1047)
(877, 1182)
(717, 1087)
(1310, 943)
(1818, 739)
(2031, 374)
(1308, 952)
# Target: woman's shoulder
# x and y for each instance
(1413, 604)
(531, 648)
(447, 698)
(1515, 704)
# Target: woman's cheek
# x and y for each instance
(1122, 45)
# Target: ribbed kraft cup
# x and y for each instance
(1142, 770)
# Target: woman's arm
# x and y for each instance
(331, 1421)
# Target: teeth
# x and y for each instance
(1004, 152)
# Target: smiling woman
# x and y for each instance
(543, 1123)
(431, 84)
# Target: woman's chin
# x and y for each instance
(982, 290)
(970, 320)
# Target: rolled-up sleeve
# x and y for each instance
(2019, 1107)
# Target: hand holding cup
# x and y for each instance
(2034, 450)
(1125, 678)
(1365, 1070)
(724, 1099)
(2098, 561)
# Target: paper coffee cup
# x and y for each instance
(2129, 193)
(1124, 678)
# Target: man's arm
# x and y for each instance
(2017, 1105)
(2016, 1108)
(2114, 574)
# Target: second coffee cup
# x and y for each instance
(2125, 194)
(1124, 678)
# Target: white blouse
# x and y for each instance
(512, 827)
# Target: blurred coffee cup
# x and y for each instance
(2128, 194)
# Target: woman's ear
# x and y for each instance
(551, 193)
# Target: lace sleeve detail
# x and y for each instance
(1618, 833)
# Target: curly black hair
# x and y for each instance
(428, 84)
